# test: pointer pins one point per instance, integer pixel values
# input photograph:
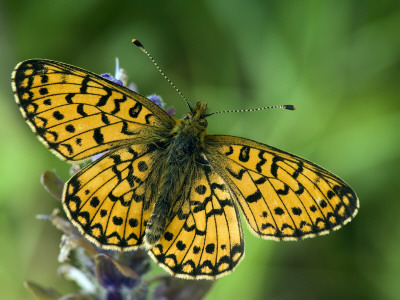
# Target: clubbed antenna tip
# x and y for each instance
(290, 107)
(137, 43)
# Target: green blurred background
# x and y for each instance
(338, 62)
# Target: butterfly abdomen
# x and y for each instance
(171, 182)
(180, 155)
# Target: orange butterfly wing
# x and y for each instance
(111, 200)
(204, 239)
(78, 114)
(282, 196)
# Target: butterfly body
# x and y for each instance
(167, 184)
(179, 151)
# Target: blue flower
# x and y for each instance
(120, 75)
(156, 99)
(111, 78)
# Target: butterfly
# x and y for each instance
(168, 184)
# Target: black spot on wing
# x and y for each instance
(168, 236)
(68, 147)
(84, 84)
(261, 162)
(238, 175)
(254, 197)
(230, 151)
(299, 170)
(133, 222)
(125, 129)
(196, 249)
(322, 203)
(80, 110)
(117, 220)
(98, 136)
(117, 102)
(244, 154)
(180, 245)
(94, 202)
(210, 248)
(142, 166)
(283, 191)
(135, 110)
(47, 102)
(330, 194)
(103, 99)
(70, 128)
(300, 190)
(274, 165)
(57, 115)
(260, 180)
(44, 78)
(279, 211)
(297, 211)
(147, 118)
(201, 189)
(69, 97)
(105, 119)
(43, 91)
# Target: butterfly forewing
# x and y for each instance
(204, 238)
(78, 114)
(282, 195)
(110, 200)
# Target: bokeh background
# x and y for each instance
(337, 61)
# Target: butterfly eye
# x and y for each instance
(186, 117)
(203, 122)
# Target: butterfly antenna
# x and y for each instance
(141, 47)
(288, 107)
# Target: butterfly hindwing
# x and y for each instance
(282, 195)
(78, 114)
(204, 237)
(110, 200)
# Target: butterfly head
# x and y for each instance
(197, 116)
